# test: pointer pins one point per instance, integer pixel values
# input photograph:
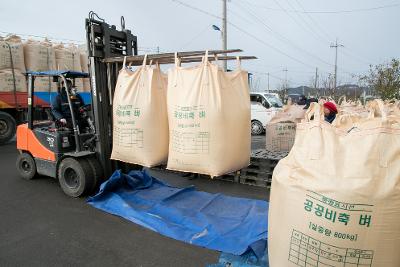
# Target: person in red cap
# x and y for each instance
(330, 111)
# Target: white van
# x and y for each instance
(264, 106)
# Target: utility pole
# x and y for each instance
(286, 82)
(336, 45)
(316, 80)
(224, 33)
(268, 81)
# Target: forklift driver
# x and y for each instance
(60, 107)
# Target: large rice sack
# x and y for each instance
(76, 57)
(140, 122)
(67, 58)
(351, 107)
(280, 131)
(209, 119)
(12, 43)
(45, 84)
(335, 199)
(7, 81)
(39, 56)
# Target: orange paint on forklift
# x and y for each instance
(27, 141)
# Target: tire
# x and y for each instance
(26, 166)
(75, 176)
(98, 174)
(8, 127)
(256, 128)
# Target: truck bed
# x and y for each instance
(43, 99)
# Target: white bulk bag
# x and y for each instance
(335, 199)
(140, 122)
(209, 119)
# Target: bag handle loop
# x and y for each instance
(216, 58)
(124, 63)
(205, 57)
(316, 111)
(144, 60)
(177, 60)
(342, 99)
(238, 63)
(377, 105)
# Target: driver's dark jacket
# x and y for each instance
(60, 107)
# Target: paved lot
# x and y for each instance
(40, 226)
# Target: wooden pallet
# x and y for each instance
(262, 165)
(266, 154)
(258, 173)
(230, 177)
(256, 178)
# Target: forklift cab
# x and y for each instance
(49, 149)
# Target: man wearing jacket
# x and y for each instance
(60, 107)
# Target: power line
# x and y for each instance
(248, 34)
(254, 16)
(314, 21)
(307, 24)
(331, 12)
(195, 37)
(245, 32)
(43, 37)
(268, 73)
(321, 38)
(240, 16)
(197, 9)
(321, 29)
(297, 23)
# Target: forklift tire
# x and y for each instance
(97, 171)
(26, 166)
(75, 176)
(8, 127)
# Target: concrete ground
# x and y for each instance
(41, 226)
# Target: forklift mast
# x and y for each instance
(105, 41)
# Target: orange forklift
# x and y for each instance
(51, 149)
(79, 157)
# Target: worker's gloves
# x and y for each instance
(63, 121)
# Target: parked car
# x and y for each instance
(264, 106)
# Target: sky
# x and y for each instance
(292, 35)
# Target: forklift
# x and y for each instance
(51, 149)
(78, 158)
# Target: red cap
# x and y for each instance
(331, 107)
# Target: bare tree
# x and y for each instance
(385, 79)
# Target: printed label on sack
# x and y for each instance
(307, 251)
(337, 212)
(191, 142)
(326, 216)
(126, 133)
(186, 115)
(190, 139)
(128, 137)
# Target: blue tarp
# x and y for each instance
(215, 221)
(248, 259)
